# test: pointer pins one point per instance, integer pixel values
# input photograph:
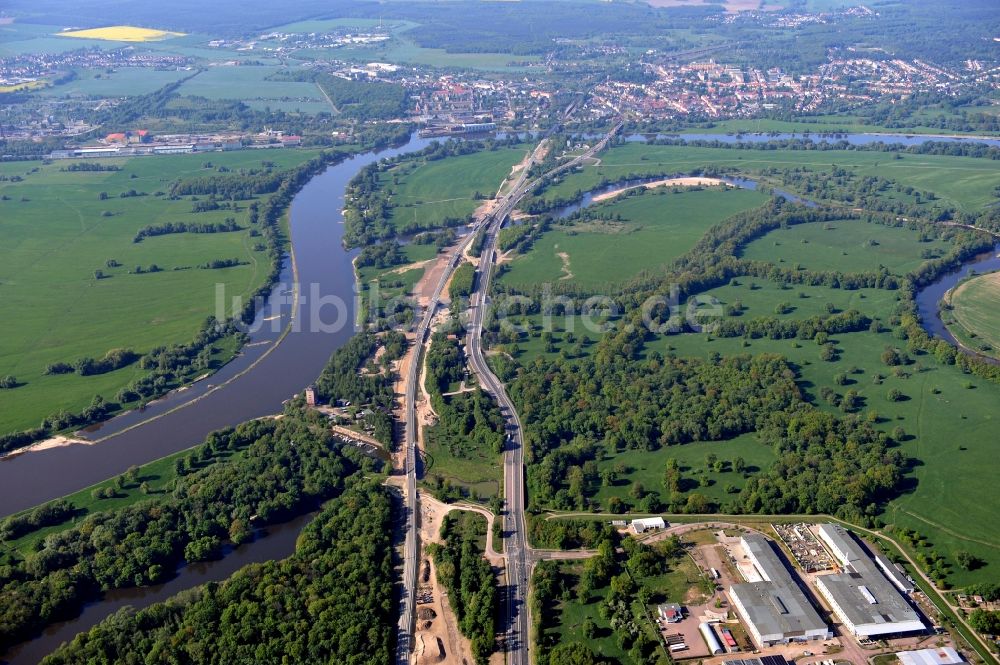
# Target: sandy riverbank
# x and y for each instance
(667, 182)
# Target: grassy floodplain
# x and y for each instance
(945, 417)
(845, 245)
(57, 235)
(425, 192)
(964, 182)
(975, 308)
(655, 228)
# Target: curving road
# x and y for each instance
(520, 557)
(411, 548)
(516, 550)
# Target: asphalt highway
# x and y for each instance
(516, 550)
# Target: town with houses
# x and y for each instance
(708, 88)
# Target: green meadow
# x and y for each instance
(57, 233)
(249, 83)
(649, 230)
(965, 182)
(944, 415)
(647, 467)
(763, 297)
(425, 192)
(119, 83)
(845, 246)
(975, 310)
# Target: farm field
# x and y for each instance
(947, 416)
(122, 82)
(843, 245)
(655, 228)
(57, 235)
(964, 182)
(122, 33)
(424, 193)
(249, 83)
(404, 51)
(975, 307)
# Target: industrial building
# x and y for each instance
(773, 607)
(644, 524)
(862, 597)
(939, 656)
(763, 660)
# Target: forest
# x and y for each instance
(332, 601)
(277, 469)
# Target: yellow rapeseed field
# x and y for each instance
(121, 33)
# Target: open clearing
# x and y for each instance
(655, 228)
(56, 235)
(647, 467)
(843, 245)
(762, 297)
(122, 33)
(976, 308)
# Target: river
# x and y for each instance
(281, 370)
(274, 542)
(277, 363)
(929, 298)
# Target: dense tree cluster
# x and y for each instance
(55, 512)
(287, 468)
(342, 379)
(331, 602)
(470, 581)
(383, 255)
(462, 282)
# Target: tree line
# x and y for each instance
(168, 228)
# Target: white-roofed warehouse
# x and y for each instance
(861, 596)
